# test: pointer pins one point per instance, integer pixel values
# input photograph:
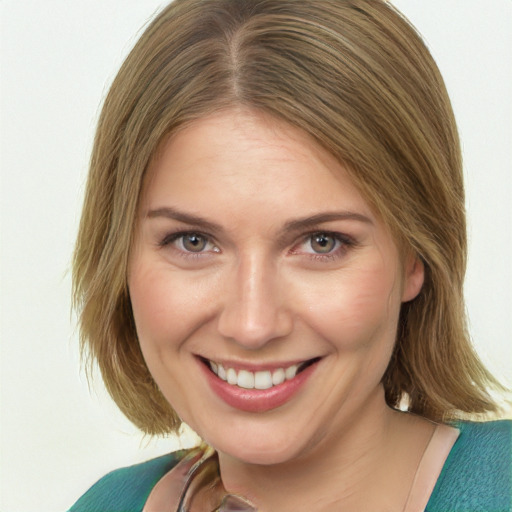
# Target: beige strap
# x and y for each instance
(430, 467)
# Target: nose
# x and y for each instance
(254, 310)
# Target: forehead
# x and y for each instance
(244, 154)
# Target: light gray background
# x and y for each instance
(57, 60)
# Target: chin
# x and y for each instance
(262, 449)
(260, 455)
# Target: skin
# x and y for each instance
(253, 291)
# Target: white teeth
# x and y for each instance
(254, 380)
(221, 372)
(262, 380)
(278, 377)
(245, 379)
(231, 376)
(291, 371)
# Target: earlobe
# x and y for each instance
(414, 277)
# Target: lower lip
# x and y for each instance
(257, 400)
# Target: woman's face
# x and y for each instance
(265, 291)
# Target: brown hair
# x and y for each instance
(356, 77)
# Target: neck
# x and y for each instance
(376, 452)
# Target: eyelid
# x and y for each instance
(342, 237)
(345, 242)
(172, 237)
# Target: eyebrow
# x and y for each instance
(293, 225)
(320, 218)
(186, 218)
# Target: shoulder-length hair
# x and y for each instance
(357, 78)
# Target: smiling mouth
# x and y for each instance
(265, 379)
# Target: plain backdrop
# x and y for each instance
(57, 59)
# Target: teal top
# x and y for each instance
(476, 477)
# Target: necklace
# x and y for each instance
(204, 474)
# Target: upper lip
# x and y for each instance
(260, 366)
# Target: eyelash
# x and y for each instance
(169, 239)
(343, 242)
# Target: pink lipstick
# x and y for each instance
(257, 391)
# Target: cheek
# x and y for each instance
(164, 315)
(159, 306)
(360, 309)
(149, 303)
(168, 307)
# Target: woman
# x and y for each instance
(272, 251)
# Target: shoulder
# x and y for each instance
(126, 489)
(477, 475)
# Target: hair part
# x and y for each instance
(357, 78)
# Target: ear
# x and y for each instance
(413, 277)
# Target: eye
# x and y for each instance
(323, 243)
(190, 242)
(193, 242)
